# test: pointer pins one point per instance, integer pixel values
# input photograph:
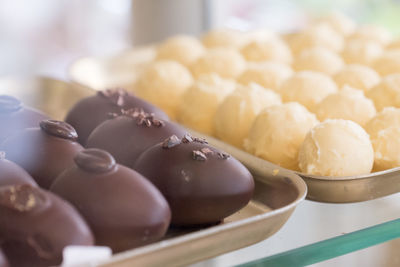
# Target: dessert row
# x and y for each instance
(323, 101)
(117, 173)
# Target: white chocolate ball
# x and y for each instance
(388, 63)
(388, 117)
(394, 45)
(318, 59)
(270, 50)
(384, 130)
(386, 93)
(260, 35)
(321, 35)
(387, 147)
(372, 33)
(223, 38)
(277, 133)
(163, 84)
(357, 76)
(361, 52)
(200, 102)
(347, 104)
(308, 88)
(182, 48)
(341, 23)
(237, 112)
(336, 148)
(267, 74)
(227, 63)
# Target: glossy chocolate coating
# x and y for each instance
(90, 112)
(11, 173)
(3, 260)
(123, 209)
(43, 152)
(201, 184)
(35, 226)
(125, 137)
(14, 116)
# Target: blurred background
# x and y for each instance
(45, 36)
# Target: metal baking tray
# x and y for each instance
(276, 194)
(320, 188)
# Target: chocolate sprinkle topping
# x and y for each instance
(198, 155)
(200, 140)
(21, 198)
(171, 141)
(187, 138)
(206, 150)
(141, 117)
(115, 96)
(223, 155)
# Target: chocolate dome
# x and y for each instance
(43, 152)
(123, 209)
(36, 225)
(201, 184)
(91, 111)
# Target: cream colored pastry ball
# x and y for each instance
(336, 148)
(223, 38)
(227, 63)
(267, 74)
(318, 35)
(348, 104)
(341, 23)
(308, 88)
(318, 59)
(200, 102)
(163, 84)
(388, 117)
(357, 76)
(277, 133)
(388, 63)
(384, 130)
(393, 45)
(237, 112)
(386, 93)
(269, 50)
(182, 48)
(260, 35)
(372, 33)
(361, 52)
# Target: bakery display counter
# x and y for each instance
(320, 233)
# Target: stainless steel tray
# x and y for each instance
(320, 188)
(276, 194)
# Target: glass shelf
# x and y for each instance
(320, 231)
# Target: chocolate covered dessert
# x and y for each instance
(3, 260)
(123, 209)
(91, 111)
(36, 225)
(201, 184)
(43, 152)
(11, 173)
(14, 116)
(130, 133)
